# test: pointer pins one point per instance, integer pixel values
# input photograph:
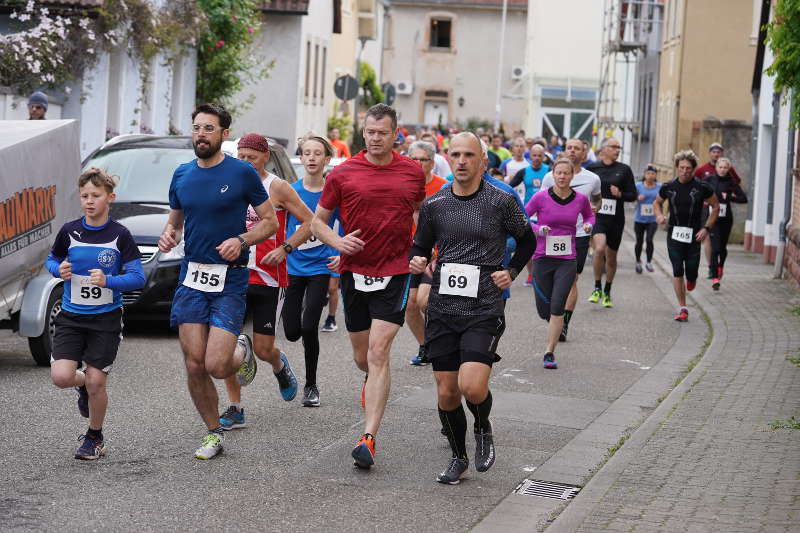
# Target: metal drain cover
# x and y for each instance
(547, 489)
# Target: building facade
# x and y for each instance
(443, 58)
(110, 99)
(773, 222)
(562, 67)
(700, 78)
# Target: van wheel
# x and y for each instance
(42, 346)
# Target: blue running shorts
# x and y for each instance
(223, 310)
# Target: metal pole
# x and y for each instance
(497, 104)
(358, 92)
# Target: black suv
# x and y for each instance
(144, 164)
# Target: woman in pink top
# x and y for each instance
(554, 266)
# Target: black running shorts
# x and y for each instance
(453, 340)
(387, 304)
(265, 304)
(612, 228)
(91, 338)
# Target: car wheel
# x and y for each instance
(42, 346)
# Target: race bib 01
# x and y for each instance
(369, 283)
(608, 207)
(206, 278)
(82, 292)
(682, 234)
(558, 245)
(459, 280)
(312, 242)
(646, 210)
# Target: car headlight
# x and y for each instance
(176, 254)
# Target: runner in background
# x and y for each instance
(644, 221)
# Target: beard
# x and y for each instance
(205, 149)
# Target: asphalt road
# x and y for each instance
(291, 470)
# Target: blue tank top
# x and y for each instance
(310, 258)
(649, 197)
(533, 181)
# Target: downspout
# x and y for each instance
(776, 109)
(787, 200)
(751, 183)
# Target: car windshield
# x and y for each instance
(144, 173)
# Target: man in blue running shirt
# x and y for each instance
(210, 196)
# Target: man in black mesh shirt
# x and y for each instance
(469, 223)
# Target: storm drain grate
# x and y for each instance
(547, 489)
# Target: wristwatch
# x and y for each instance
(513, 272)
(242, 243)
(288, 248)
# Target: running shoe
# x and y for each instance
(364, 392)
(330, 324)
(690, 285)
(247, 370)
(550, 361)
(484, 449)
(607, 300)
(287, 383)
(564, 330)
(452, 474)
(421, 359)
(715, 284)
(210, 446)
(595, 296)
(232, 418)
(649, 267)
(638, 268)
(683, 315)
(91, 448)
(310, 396)
(364, 452)
(529, 281)
(83, 401)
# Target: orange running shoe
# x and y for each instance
(683, 315)
(364, 452)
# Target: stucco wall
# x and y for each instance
(468, 70)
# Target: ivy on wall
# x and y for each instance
(783, 37)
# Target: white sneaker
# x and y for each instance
(649, 267)
(247, 370)
(210, 446)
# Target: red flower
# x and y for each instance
(250, 30)
(220, 44)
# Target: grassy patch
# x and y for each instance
(794, 358)
(615, 448)
(792, 423)
(795, 310)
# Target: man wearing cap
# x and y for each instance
(37, 106)
(715, 151)
(268, 276)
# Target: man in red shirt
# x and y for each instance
(377, 192)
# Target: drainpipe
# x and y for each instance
(776, 108)
(751, 183)
(787, 200)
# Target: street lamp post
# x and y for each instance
(497, 104)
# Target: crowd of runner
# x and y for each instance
(406, 235)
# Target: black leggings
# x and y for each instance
(685, 257)
(720, 234)
(301, 320)
(641, 229)
(552, 281)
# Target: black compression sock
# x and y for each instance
(217, 430)
(94, 433)
(481, 412)
(567, 317)
(608, 288)
(598, 285)
(455, 426)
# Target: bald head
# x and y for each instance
(468, 156)
(537, 156)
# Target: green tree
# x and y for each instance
(783, 37)
(369, 82)
(225, 62)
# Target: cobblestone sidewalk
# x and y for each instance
(715, 464)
